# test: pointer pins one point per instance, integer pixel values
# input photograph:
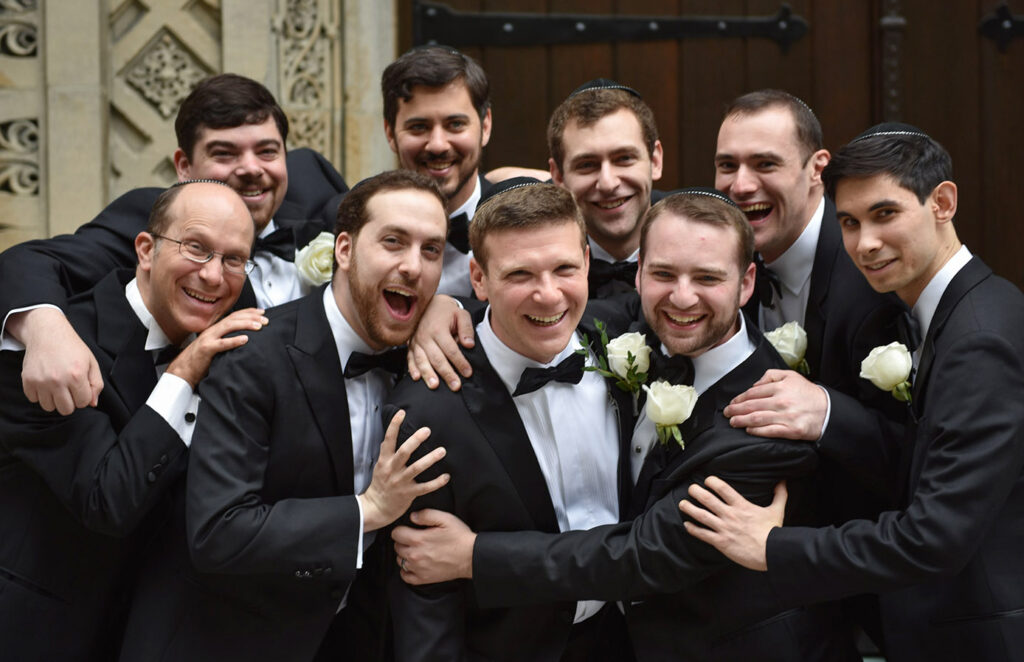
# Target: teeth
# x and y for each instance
(197, 295)
(547, 321)
(442, 165)
(689, 319)
(611, 204)
(877, 265)
(251, 193)
(395, 290)
(757, 206)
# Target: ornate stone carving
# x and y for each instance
(19, 157)
(307, 71)
(19, 30)
(164, 73)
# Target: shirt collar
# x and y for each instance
(345, 337)
(156, 339)
(508, 363)
(469, 206)
(271, 226)
(596, 252)
(719, 361)
(794, 266)
(928, 302)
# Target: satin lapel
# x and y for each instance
(247, 298)
(825, 255)
(315, 357)
(491, 406)
(121, 336)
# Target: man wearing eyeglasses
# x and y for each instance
(76, 489)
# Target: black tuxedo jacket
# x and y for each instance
(51, 270)
(948, 563)
(496, 485)
(695, 604)
(73, 489)
(265, 549)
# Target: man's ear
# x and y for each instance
(478, 279)
(657, 161)
(556, 174)
(145, 247)
(389, 133)
(485, 129)
(818, 161)
(943, 201)
(343, 245)
(182, 166)
(747, 284)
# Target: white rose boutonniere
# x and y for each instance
(790, 341)
(626, 359)
(888, 368)
(315, 259)
(669, 405)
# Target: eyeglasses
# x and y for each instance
(197, 252)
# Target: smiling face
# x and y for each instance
(690, 283)
(391, 268)
(439, 133)
(184, 296)
(536, 283)
(249, 158)
(896, 241)
(760, 165)
(608, 168)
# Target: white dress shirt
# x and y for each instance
(274, 280)
(794, 271)
(601, 254)
(455, 272)
(574, 434)
(926, 304)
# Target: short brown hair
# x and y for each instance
(523, 208)
(352, 213)
(808, 129)
(224, 102)
(587, 108)
(432, 66)
(706, 209)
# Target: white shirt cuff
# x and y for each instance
(174, 401)
(828, 411)
(359, 540)
(9, 344)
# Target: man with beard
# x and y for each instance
(75, 489)
(437, 119)
(533, 441)
(604, 149)
(269, 533)
(231, 129)
(946, 560)
(695, 272)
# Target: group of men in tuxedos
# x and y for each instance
(221, 500)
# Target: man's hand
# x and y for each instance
(394, 487)
(194, 361)
(782, 404)
(438, 553)
(59, 371)
(731, 524)
(433, 349)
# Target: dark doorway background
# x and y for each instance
(861, 62)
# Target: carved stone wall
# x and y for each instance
(89, 90)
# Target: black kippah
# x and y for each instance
(604, 84)
(506, 185)
(703, 191)
(891, 129)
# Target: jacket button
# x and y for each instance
(190, 417)
(151, 476)
(163, 459)
(298, 573)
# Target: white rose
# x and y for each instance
(790, 341)
(315, 259)
(619, 350)
(669, 404)
(887, 366)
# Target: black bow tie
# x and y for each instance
(909, 330)
(166, 355)
(603, 271)
(768, 285)
(280, 242)
(676, 369)
(458, 232)
(392, 360)
(569, 371)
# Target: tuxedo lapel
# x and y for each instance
(318, 369)
(825, 255)
(491, 406)
(122, 337)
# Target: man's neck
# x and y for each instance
(463, 194)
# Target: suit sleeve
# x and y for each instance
(51, 270)
(429, 621)
(233, 526)
(108, 479)
(972, 436)
(652, 554)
